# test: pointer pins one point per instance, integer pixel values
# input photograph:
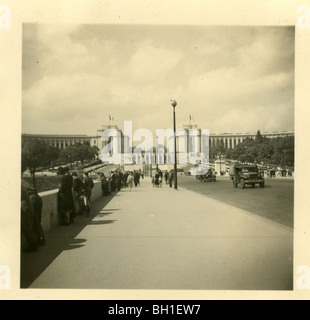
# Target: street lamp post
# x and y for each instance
(156, 153)
(174, 104)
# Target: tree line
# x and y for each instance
(261, 150)
(37, 154)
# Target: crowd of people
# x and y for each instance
(118, 179)
(70, 186)
(279, 173)
(75, 186)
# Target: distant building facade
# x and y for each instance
(63, 141)
(189, 141)
(231, 140)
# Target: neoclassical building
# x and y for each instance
(62, 141)
(190, 139)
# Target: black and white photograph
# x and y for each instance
(159, 156)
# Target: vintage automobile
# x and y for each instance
(246, 174)
(209, 176)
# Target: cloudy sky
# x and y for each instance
(230, 79)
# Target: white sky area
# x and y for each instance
(230, 79)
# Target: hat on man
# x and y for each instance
(60, 171)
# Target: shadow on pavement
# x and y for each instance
(60, 239)
(101, 222)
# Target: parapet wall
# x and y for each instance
(50, 215)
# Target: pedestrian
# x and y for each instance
(121, 179)
(166, 177)
(88, 186)
(70, 178)
(136, 177)
(78, 188)
(113, 186)
(31, 210)
(171, 178)
(109, 190)
(130, 180)
(117, 181)
(65, 197)
(103, 183)
(156, 179)
(28, 238)
(126, 174)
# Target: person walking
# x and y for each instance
(171, 178)
(157, 179)
(136, 177)
(166, 177)
(130, 180)
(126, 174)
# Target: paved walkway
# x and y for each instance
(161, 238)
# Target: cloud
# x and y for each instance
(75, 76)
(151, 64)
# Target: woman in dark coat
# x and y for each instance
(65, 197)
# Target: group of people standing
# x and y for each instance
(159, 175)
(71, 185)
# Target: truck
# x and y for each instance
(246, 174)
